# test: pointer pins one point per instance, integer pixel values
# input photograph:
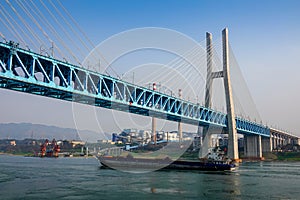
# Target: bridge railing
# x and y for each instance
(26, 71)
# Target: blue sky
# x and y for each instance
(273, 19)
(264, 36)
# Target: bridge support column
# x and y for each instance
(206, 137)
(266, 144)
(289, 140)
(285, 140)
(259, 147)
(275, 143)
(154, 130)
(180, 131)
(271, 142)
(293, 141)
(278, 141)
(252, 146)
(296, 141)
(232, 132)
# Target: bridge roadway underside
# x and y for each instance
(83, 99)
(73, 96)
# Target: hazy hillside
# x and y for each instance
(38, 131)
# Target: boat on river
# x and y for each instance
(214, 161)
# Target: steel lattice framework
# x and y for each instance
(26, 71)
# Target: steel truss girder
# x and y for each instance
(26, 71)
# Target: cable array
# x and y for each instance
(48, 28)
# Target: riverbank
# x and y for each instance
(288, 156)
(281, 156)
(8, 154)
(32, 155)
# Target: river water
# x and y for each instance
(81, 178)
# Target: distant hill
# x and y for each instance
(21, 131)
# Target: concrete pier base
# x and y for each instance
(266, 144)
(253, 147)
(154, 130)
(180, 131)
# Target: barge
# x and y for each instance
(215, 161)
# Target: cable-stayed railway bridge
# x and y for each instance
(25, 71)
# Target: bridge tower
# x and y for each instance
(206, 135)
(225, 74)
(232, 133)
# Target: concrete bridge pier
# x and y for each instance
(285, 140)
(253, 146)
(289, 140)
(275, 142)
(279, 140)
(266, 144)
(295, 141)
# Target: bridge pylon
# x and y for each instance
(225, 74)
(232, 133)
(206, 136)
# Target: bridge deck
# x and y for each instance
(26, 71)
